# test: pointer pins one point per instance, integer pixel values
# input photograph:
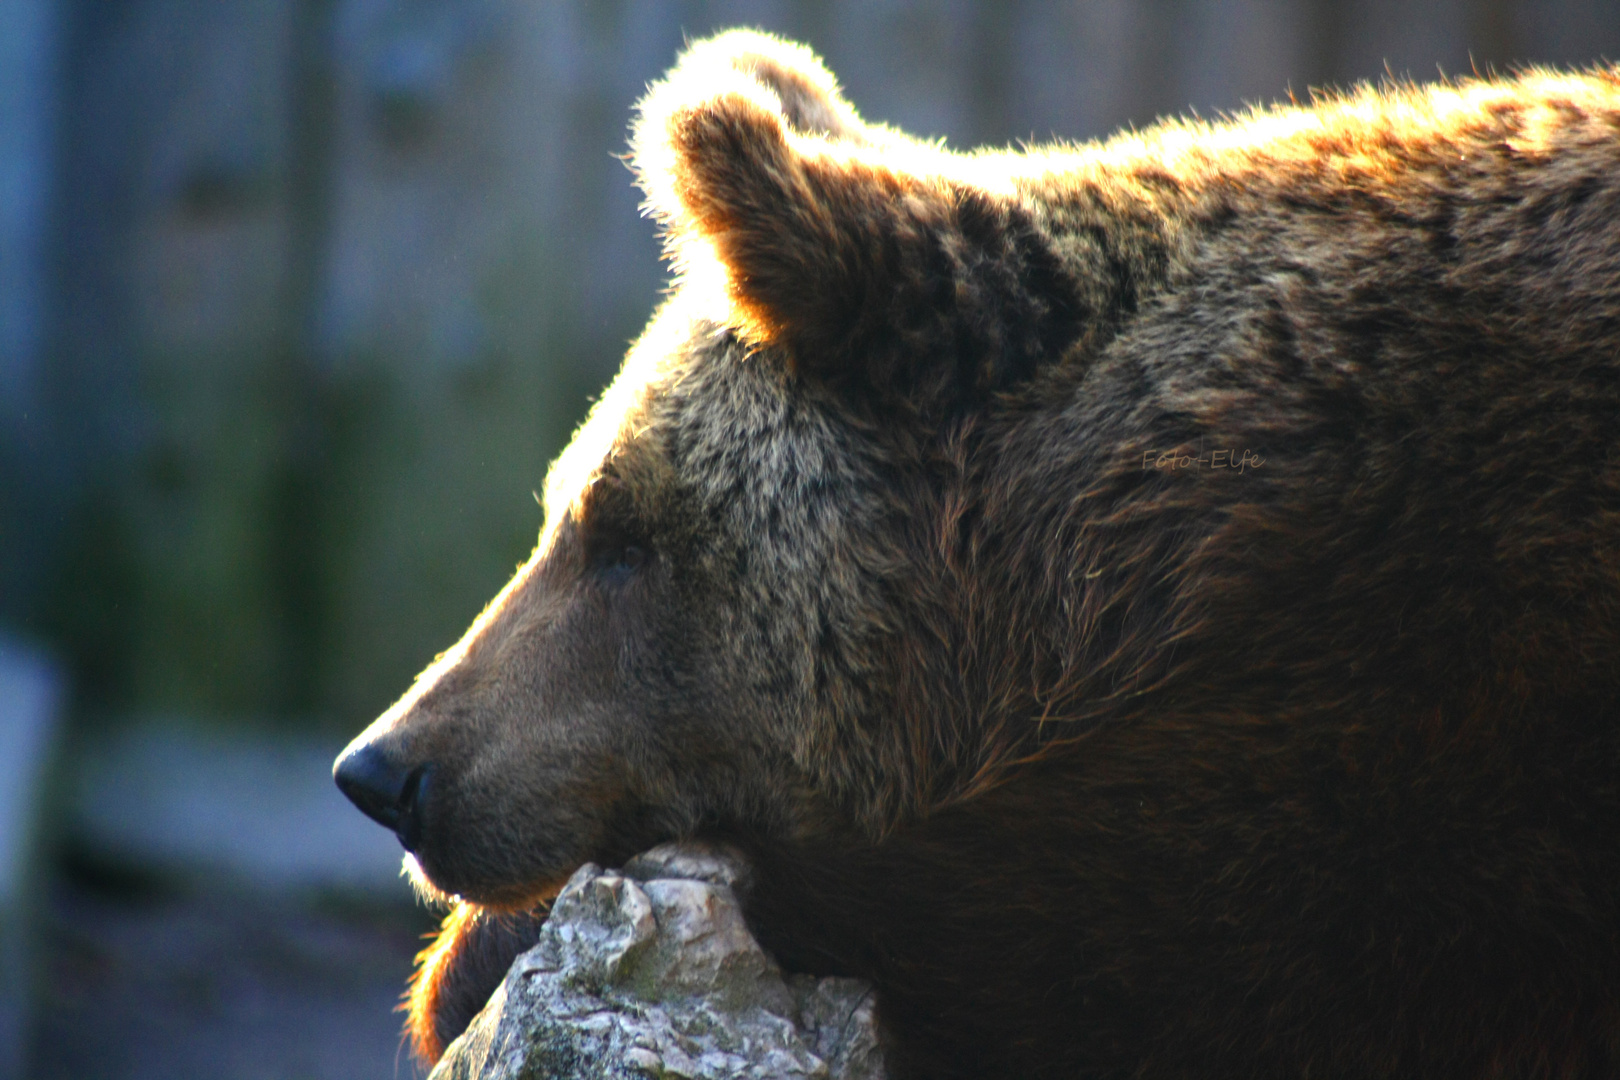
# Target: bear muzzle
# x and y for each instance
(387, 791)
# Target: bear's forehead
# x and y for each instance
(753, 446)
(756, 448)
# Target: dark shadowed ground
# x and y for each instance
(146, 980)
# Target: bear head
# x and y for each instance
(741, 607)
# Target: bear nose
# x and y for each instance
(386, 791)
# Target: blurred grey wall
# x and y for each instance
(28, 104)
(316, 288)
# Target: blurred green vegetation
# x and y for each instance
(297, 560)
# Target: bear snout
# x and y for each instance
(386, 790)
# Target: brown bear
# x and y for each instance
(1151, 608)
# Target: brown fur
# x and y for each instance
(458, 972)
(870, 562)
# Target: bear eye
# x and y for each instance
(619, 563)
(612, 531)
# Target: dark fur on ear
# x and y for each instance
(456, 975)
(874, 260)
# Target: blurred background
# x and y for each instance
(297, 300)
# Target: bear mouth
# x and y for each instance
(508, 901)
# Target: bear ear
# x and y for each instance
(806, 92)
(855, 251)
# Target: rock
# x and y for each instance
(650, 971)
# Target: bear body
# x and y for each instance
(1151, 608)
